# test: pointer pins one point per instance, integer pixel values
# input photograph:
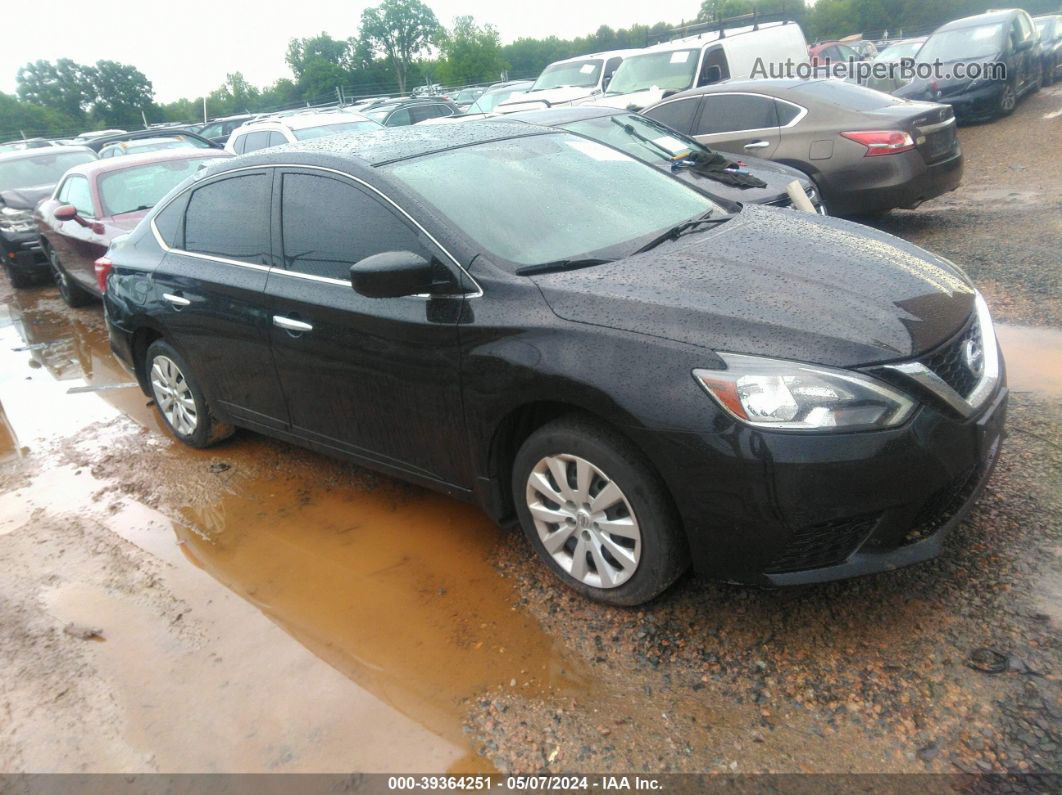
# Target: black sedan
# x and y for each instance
(722, 176)
(999, 54)
(539, 323)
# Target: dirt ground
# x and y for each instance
(260, 608)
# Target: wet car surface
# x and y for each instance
(392, 628)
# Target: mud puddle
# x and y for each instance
(1033, 357)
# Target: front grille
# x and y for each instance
(949, 363)
(823, 544)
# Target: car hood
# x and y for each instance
(635, 100)
(533, 100)
(26, 198)
(937, 90)
(777, 283)
(776, 175)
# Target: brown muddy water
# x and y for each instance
(398, 616)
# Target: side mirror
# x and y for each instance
(65, 212)
(391, 274)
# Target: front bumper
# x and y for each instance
(786, 509)
(23, 250)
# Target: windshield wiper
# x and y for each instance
(628, 128)
(561, 265)
(675, 232)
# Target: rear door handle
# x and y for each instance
(176, 300)
(288, 324)
(758, 145)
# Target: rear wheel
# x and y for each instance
(69, 290)
(179, 399)
(597, 513)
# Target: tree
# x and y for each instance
(235, 95)
(400, 29)
(19, 118)
(302, 53)
(471, 54)
(64, 86)
(122, 93)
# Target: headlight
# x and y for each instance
(774, 393)
(15, 220)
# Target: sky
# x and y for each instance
(186, 48)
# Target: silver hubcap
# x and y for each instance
(173, 395)
(1008, 98)
(57, 270)
(584, 521)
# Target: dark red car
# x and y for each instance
(95, 202)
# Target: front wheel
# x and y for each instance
(180, 400)
(1007, 100)
(596, 512)
(70, 291)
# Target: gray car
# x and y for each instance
(868, 152)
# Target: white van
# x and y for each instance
(568, 81)
(708, 57)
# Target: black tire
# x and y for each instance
(207, 429)
(663, 552)
(1008, 100)
(72, 293)
(18, 277)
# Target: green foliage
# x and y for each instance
(400, 30)
(19, 118)
(471, 54)
(122, 92)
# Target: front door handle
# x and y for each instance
(758, 145)
(176, 300)
(288, 324)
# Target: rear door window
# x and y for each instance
(328, 225)
(276, 138)
(678, 114)
(723, 113)
(230, 219)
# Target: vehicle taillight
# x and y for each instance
(103, 269)
(882, 142)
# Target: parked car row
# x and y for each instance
(642, 377)
(581, 317)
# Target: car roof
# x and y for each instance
(987, 18)
(707, 37)
(43, 151)
(301, 121)
(401, 143)
(99, 167)
(603, 54)
(774, 88)
(551, 117)
(161, 139)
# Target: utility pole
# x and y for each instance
(204, 111)
(339, 95)
(144, 117)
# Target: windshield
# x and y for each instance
(667, 71)
(638, 136)
(380, 113)
(981, 41)
(492, 99)
(141, 187)
(1045, 27)
(581, 74)
(155, 146)
(39, 170)
(332, 129)
(548, 198)
(905, 49)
